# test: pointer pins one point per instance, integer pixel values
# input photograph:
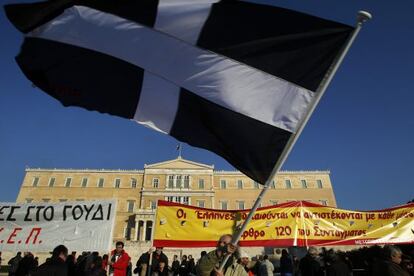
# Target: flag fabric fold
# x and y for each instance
(233, 77)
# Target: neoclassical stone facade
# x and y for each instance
(179, 180)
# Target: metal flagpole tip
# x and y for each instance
(363, 16)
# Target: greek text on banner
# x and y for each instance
(81, 226)
(297, 223)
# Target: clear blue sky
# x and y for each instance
(362, 131)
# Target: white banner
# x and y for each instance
(40, 227)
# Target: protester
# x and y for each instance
(211, 262)
(95, 268)
(157, 257)
(308, 265)
(56, 265)
(286, 265)
(142, 264)
(70, 263)
(191, 265)
(184, 266)
(119, 260)
(266, 267)
(162, 270)
(336, 266)
(295, 263)
(390, 265)
(14, 263)
(26, 265)
(175, 266)
(245, 263)
(105, 260)
(407, 264)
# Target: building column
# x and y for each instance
(144, 230)
(136, 230)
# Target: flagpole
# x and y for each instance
(362, 17)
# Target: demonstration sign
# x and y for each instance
(290, 224)
(39, 227)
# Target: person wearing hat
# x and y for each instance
(245, 262)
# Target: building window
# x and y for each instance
(323, 202)
(153, 205)
(240, 205)
(46, 199)
(288, 184)
(29, 200)
(239, 184)
(35, 181)
(304, 184)
(186, 200)
(130, 206)
(117, 182)
(319, 183)
(273, 184)
(52, 181)
(170, 198)
(201, 183)
(84, 182)
(133, 183)
(155, 182)
(201, 203)
(256, 184)
(101, 183)
(178, 182)
(223, 205)
(68, 182)
(223, 184)
(63, 200)
(171, 181)
(186, 182)
(127, 232)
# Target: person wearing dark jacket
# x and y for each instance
(14, 263)
(175, 266)
(390, 266)
(95, 268)
(26, 265)
(70, 262)
(286, 266)
(336, 267)
(184, 266)
(156, 257)
(191, 264)
(308, 265)
(56, 265)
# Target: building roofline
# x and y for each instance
(179, 158)
(82, 170)
(235, 172)
(218, 172)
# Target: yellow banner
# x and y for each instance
(297, 223)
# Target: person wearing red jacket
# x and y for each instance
(119, 261)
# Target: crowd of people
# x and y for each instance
(374, 260)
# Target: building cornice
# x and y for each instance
(222, 172)
(155, 171)
(83, 170)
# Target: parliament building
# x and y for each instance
(178, 180)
